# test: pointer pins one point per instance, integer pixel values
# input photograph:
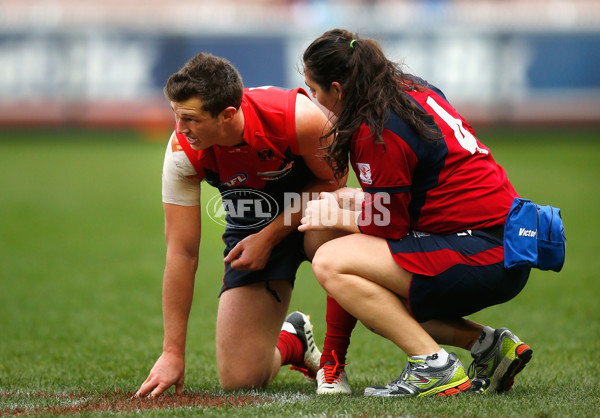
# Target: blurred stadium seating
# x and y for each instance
(92, 62)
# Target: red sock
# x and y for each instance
(290, 348)
(339, 328)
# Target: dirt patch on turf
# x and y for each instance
(75, 403)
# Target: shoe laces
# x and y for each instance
(306, 372)
(406, 373)
(472, 370)
(333, 372)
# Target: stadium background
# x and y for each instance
(83, 125)
(105, 62)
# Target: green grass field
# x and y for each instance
(81, 261)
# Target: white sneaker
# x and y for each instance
(299, 324)
(332, 379)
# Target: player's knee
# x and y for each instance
(243, 370)
(243, 378)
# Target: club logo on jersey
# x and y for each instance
(276, 174)
(242, 208)
(266, 154)
(235, 180)
(364, 173)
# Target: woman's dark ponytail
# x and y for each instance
(371, 86)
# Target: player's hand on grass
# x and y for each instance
(168, 370)
(251, 253)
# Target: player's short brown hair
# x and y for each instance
(214, 80)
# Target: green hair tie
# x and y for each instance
(352, 43)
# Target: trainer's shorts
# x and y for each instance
(456, 275)
(283, 263)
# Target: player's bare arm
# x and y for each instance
(182, 230)
(311, 125)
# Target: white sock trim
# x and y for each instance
(484, 342)
(437, 359)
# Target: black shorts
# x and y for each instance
(456, 275)
(283, 263)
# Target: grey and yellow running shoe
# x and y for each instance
(494, 369)
(419, 379)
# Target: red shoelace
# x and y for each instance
(333, 372)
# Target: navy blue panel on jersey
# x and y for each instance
(248, 210)
(372, 190)
(422, 82)
(431, 157)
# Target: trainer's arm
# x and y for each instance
(182, 230)
(253, 251)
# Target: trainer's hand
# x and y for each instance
(351, 198)
(321, 214)
(251, 253)
(168, 370)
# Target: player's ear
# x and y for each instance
(227, 114)
(337, 89)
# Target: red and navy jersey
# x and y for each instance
(438, 187)
(254, 176)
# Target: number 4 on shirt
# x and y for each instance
(462, 135)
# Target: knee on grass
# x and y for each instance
(239, 379)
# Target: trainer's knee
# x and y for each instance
(313, 240)
(325, 265)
